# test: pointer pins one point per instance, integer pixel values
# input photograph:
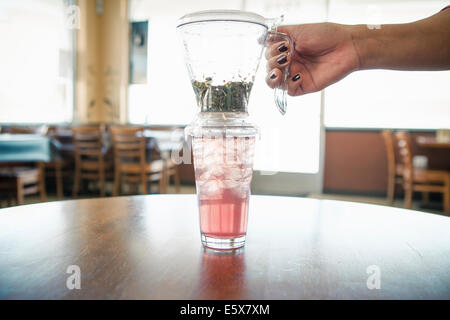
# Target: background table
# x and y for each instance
(24, 148)
(167, 140)
(437, 152)
(432, 142)
(149, 247)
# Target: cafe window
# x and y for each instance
(36, 61)
(385, 98)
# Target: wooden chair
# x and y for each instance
(62, 165)
(395, 169)
(55, 168)
(90, 163)
(18, 182)
(58, 169)
(172, 169)
(130, 160)
(22, 181)
(423, 180)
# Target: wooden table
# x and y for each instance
(431, 142)
(148, 247)
(24, 148)
(168, 141)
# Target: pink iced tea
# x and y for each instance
(223, 172)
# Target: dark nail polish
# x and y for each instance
(273, 75)
(282, 60)
(282, 48)
(296, 77)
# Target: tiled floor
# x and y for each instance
(432, 207)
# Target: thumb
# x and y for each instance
(289, 30)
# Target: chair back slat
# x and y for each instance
(90, 153)
(87, 141)
(130, 137)
(128, 153)
(129, 144)
(389, 144)
(87, 145)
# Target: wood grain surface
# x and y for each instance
(148, 247)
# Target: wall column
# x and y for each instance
(102, 62)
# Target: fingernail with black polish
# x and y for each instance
(282, 60)
(296, 77)
(273, 75)
(282, 48)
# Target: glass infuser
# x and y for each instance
(222, 52)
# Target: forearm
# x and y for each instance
(420, 45)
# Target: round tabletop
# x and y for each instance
(148, 247)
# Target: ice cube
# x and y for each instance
(231, 184)
(211, 189)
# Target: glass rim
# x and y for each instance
(222, 15)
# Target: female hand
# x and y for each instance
(323, 53)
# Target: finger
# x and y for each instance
(276, 49)
(295, 82)
(273, 78)
(279, 61)
(300, 81)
